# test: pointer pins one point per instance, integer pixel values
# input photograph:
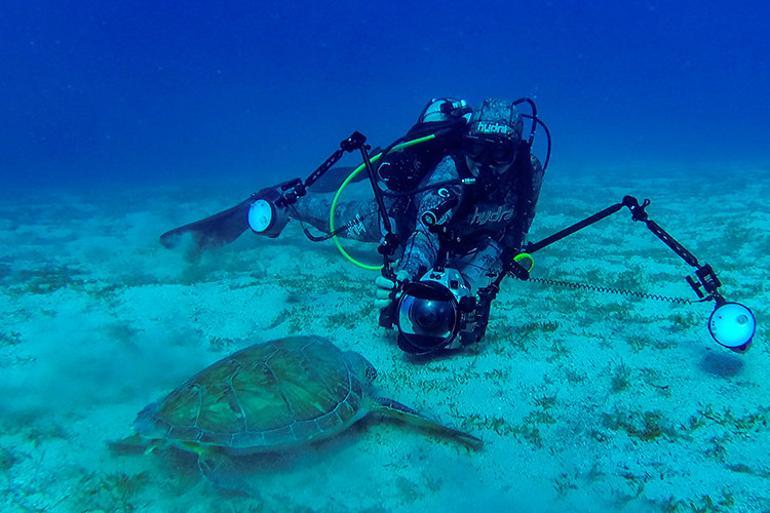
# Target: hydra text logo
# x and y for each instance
(491, 216)
(493, 128)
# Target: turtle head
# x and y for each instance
(360, 367)
(147, 435)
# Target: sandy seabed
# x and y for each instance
(586, 401)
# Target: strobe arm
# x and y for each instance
(296, 188)
(731, 325)
(707, 282)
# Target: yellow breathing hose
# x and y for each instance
(346, 182)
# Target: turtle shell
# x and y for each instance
(269, 396)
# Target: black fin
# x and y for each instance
(213, 231)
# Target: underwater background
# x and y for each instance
(121, 120)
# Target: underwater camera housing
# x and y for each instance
(438, 312)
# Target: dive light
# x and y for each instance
(732, 325)
(266, 218)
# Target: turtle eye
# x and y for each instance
(371, 374)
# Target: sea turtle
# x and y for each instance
(272, 396)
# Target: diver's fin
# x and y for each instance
(216, 230)
(226, 226)
(395, 410)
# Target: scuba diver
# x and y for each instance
(453, 202)
(460, 235)
(456, 235)
(454, 232)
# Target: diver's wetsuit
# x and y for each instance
(488, 220)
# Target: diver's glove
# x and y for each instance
(388, 290)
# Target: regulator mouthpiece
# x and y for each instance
(732, 325)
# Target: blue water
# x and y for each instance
(99, 91)
(586, 401)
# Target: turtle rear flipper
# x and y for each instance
(395, 410)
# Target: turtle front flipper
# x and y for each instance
(395, 410)
(221, 472)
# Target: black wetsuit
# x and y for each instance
(489, 219)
